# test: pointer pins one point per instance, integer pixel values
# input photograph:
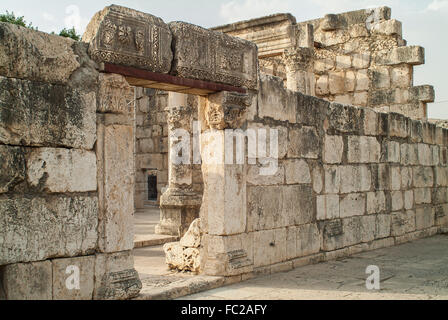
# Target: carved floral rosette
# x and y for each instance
(123, 36)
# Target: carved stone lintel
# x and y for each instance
(115, 94)
(128, 37)
(226, 110)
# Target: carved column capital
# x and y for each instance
(299, 59)
(115, 94)
(179, 116)
(226, 110)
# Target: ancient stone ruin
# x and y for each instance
(83, 124)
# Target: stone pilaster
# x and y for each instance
(115, 162)
(179, 204)
(223, 212)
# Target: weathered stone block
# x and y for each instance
(333, 149)
(318, 175)
(423, 177)
(441, 176)
(409, 200)
(353, 205)
(337, 82)
(395, 178)
(397, 200)
(441, 215)
(423, 93)
(363, 149)
(402, 76)
(213, 56)
(308, 240)
(115, 94)
(27, 281)
(370, 120)
(355, 179)
(380, 77)
(274, 101)
(62, 170)
(297, 172)
(440, 196)
(115, 277)
(322, 85)
(65, 269)
(39, 114)
(115, 149)
(332, 179)
(409, 154)
(361, 60)
(264, 248)
(376, 202)
(383, 226)
(346, 119)
(402, 223)
(392, 151)
(124, 36)
(424, 218)
(327, 207)
(399, 125)
(388, 28)
(35, 55)
(413, 55)
(333, 235)
(12, 167)
(255, 178)
(304, 143)
(35, 228)
(423, 196)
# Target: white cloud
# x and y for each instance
(74, 19)
(437, 5)
(238, 10)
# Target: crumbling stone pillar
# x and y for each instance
(299, 70)
(115, 276)
(179, 204)
(225, 245)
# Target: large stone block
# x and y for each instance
(115, 150)
(363, 149)
(327, 207)
(424, 218)
(353, 205)
(333, 149)
(308, 240)
(423, 177)
(12, 167)
(213, 56)
(410, 55)
(27, 281)
(35, 55)
(128, 37)
(402, 223)
(355, 179)
(62, 170)
(39, 114)
(115, 277)
(346, 119)
(376, 202)
(297, 172)
(79, 268)
(274, 101)
(35, 228)
(304, 143)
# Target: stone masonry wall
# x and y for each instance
(349, 180)
(51, 216)
(358, 58)
(362, 59)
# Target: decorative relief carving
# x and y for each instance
(213, 56)
(124, 36)
(115, 94)
(226, 110)
(179, 116)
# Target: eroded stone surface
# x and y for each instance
(213, 56)
(37, 228)
(128, 37)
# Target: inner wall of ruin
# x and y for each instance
(77, 144)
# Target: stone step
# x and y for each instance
(152, 240)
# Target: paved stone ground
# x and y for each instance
(417, 270)
(145, 221)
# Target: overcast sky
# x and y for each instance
(425, 22)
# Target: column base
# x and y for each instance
(178, 209)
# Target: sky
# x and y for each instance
(425, 22)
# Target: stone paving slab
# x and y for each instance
(412, 271)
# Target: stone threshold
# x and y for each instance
(179, 285)
(152, 240)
